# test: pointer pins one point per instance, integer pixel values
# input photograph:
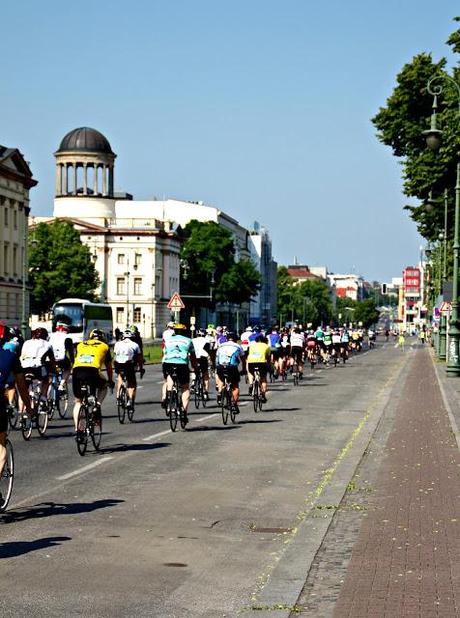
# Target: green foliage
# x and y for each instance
(60, 265)
(365, 312)
(306, 302)
(400, 125)
(209, 254)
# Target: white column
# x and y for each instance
(104, 180)
(85, 179)
(58, 179)
(111, 181)
(95, 180)
(66, 178)
(75, 179)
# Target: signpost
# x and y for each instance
(175, 305)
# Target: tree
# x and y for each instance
(208, 254)
(306, 301)
(365, 312)
(60, 265)
(400, 125)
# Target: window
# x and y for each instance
(15, 219)
(5, 220)
(121, 285)
(6, 269)
(137, 286)
(137, 259)
(120, 315)
(15, 259)
(137, 314)
(121, 258)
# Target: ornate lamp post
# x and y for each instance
(433, 140)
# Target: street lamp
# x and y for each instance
(433, 139)
(153, 329)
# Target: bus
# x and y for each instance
(82, 316)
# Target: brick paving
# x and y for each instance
(406, 561)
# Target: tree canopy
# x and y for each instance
(60, 265)
(400, 125)
(306, 301)
(208, 255)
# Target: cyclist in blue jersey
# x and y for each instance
(178, 350)
(274, 341)
(9, 364)
(228, 357)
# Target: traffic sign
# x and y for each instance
(445, 306)
(175, 302)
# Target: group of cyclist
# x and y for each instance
(93, 364)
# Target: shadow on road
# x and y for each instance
(262, 420)
(123, 448)
(214, 428)
(19, 548)
(50, 509)
(280, 409)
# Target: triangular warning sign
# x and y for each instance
(175, 302)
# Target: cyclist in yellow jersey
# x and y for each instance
(258, 356)
(91, 357)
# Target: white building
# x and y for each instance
(263, 308)
(347, 286)
(15, 182)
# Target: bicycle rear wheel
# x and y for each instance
(42, 418)
(63, 402)
(225, 405)
(96, 431)
(130, 412)
(172, 409)
(13, 411)
(255, 395)
(53, 401)
(198, 392)
(121, 404)
(82, 432)
(232, 409)
(7, 478)
(182, 417)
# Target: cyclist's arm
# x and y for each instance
(50, 356)
(192, 357)
(108, 366)
(70, 349)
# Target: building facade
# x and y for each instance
(15, 183)
(347, 286)
(263, 307)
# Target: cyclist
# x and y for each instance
(211, 340)
(9, 364)
(228, 357)
(336, 340)
(13, 344)
(137, 338)
(244, 339)
(202, 348)
(328, 344)
(168, 332)
(284, 350)
(37, 359)
(312, 348)
(127, 355)
(297, 349)
(177, 351)
(274, 339)
(92, 356)
(63, 351)
(259, 357)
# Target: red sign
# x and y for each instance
(411, 277)
(175, 302)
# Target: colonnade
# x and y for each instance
(67, 179)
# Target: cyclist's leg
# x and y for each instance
(263, 370)
(131, 382)
(3, 432)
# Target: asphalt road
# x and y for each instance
(177, 525)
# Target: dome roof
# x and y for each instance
(85, 139)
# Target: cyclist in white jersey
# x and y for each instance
(127, 355)
(63, 351)
(297, 349)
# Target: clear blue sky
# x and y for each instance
(258, 107)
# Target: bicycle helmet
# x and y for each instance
(40, 333)
(231, 335)
(170, 325)
(96, 333)
(127, 334)
(180, 328)
(4, 332)
(133, 329)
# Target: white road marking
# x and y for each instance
(156, 435)
(90, 466)
(205, 418)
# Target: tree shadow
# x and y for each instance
(19, 548)
(50, 509)
(123, 448)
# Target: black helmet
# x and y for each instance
(97, 333)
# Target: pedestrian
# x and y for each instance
(402, 341)
(117, 333)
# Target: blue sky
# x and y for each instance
(258, 107)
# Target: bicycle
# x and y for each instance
(256, 391)
(200, 397)
(227, 402)
(7, 477)
(122, 400)
(58, 398)
(89, 426)
(39, 416)
(295, 373)
(174, 408)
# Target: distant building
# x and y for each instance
(15, 183)
(411, 297)
(263, 308)
(348, 286)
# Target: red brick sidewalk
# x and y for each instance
(406, 561)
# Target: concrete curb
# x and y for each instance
(448, 392)
(278, 597)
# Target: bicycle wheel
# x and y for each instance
(182, 417)
(121, 404)
(7, 478)
(225, 405)
(130, 412)
(198, 392)
(295, 375)
(42, 418)
(232, 409)
(13, 412)
(260, 401)
(26, 426)
(82, 433)
(172, 409)
(96, 430)
(63, 402)
(255, 395)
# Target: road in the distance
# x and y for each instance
(183, 524)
